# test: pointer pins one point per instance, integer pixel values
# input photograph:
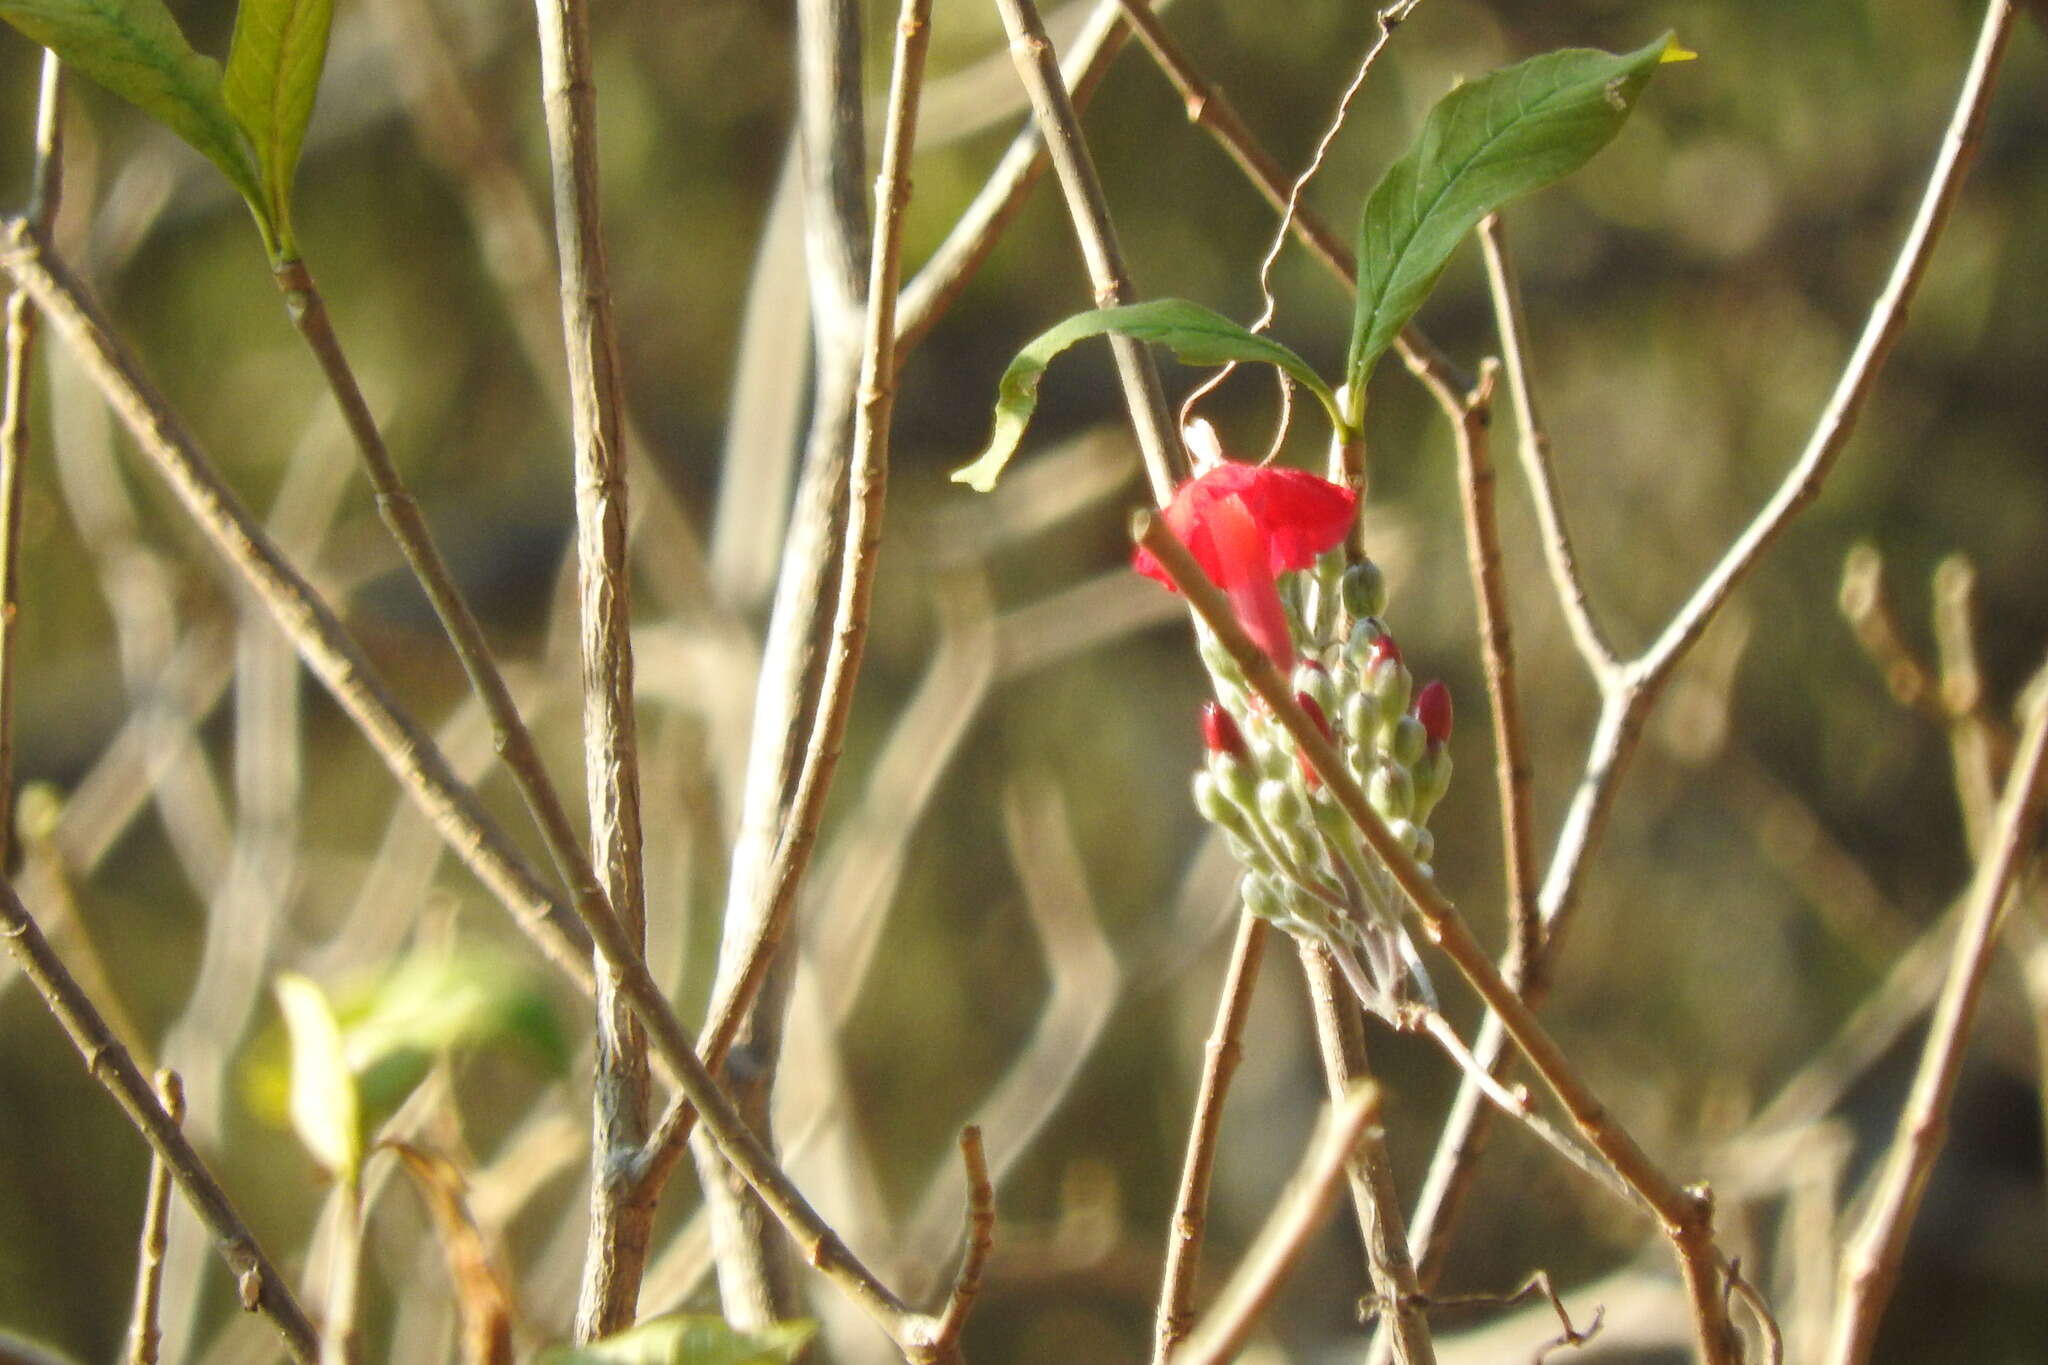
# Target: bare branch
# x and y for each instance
(1281, 1241)
(1471, 418)
(1887, 318)
(1165, 462)
(262, 1289)
(144, 1336)
(1534, 445)
(980, 1240)
(1870, 1266)
(938, 283)
(1340, 1039)
(1175, 1315)
(322, 641)
(1630, 690)
(15, 377)
(621, 1221)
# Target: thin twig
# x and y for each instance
(334, 658)
(869, 475)
(1340, 1040)
(1629, 691)
(339, 1344)
(1175, 1315)
(980, 1238)
(750, 983)
(314, 628)
(621, 1222)
(47, 186)
(144, 1336)
(1686, 1215)
(1875, 1253)
(1867, 605)
(1533, 443)
(1536, 1286)
(1980, 744)
(262, 1289)
(401, 514)
(1887, 319)
(1038, 67)
(1286, 1233)
(946, 272)
(1471, 417)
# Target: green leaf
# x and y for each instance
(434, 1000)
(273, 73)
(323, 1098)
(395, 1023)
(135, 49)
(1198, 336)
(1484, 144)
(688, 1339)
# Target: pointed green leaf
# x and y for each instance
(1483, 145)
(135, 49)
(323, 1104)
(273, 73)
(1198, 336)
(688, 1339)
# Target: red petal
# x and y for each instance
(1433, 709)
(1239, 552)
(1297, 515)
(1220, 733)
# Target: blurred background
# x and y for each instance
(1023, 917)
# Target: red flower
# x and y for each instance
(1248, 524)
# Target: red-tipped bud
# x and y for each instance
(1433, 709)
(1322, 723)
(1382, 649)
(1220, 732)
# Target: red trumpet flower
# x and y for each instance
(1248, 524)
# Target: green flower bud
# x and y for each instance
(1407, 831)
(1391, 684)
(1364, 590)
(1425, 846)
(1432, 773)
(1391, 792)
(1262, 897)
(1405, 740)
(1312, 680)
(1235, 780)
(1360, 718)
(1218, 659)
(1282, 806)
(1211, 802)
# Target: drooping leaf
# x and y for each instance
(1484, 144)
(136, 49)
(324, 1107)
(688, 1339)
(273, 73)
(481, 1296)
(1197, 335)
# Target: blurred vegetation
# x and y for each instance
(1693, 295)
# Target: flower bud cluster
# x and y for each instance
(1307, 868)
